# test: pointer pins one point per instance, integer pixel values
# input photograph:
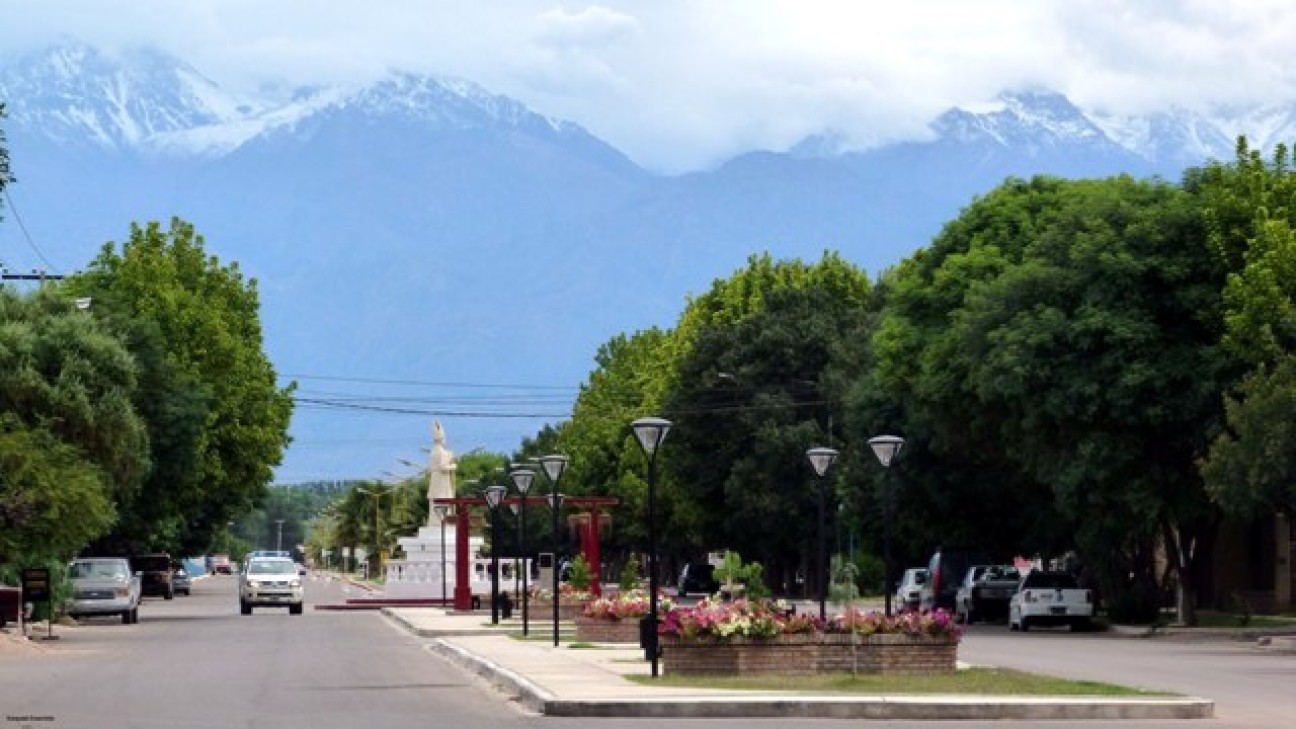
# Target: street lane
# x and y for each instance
(196, 662)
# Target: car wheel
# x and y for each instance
(245, 608)
(169, 594)
(1082, 625)
(126, 617)
(969, 617)
(134, 613)
(295, 609)
(1025, 625)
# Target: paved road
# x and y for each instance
(195, 662)
(1251, 687)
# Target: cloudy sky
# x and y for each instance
(680, 84)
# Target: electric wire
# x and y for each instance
(13, 209)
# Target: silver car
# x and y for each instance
(104, 586)
(270, 581)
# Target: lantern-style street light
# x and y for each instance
(554, 465)
(821, 459)
(494, 497)
(886, 448)
(522, 480)
(650, 432)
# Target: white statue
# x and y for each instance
(441, 469)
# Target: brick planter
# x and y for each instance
(543, 610)
(802, 654)
(599, 630)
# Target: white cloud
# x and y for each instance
(682, 83)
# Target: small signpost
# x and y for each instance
(36, 588)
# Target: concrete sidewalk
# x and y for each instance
(567, 681)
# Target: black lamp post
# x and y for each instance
(494, 495)
(442, 511)
(886, 448)
(822, 459)
(554, 465)
(650, 432)
(522, 479)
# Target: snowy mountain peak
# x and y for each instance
(77, 95)
(1031, 119)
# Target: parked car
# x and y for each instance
(155, 573)
(219, 564)
(985, 592)
(945, 571)
(270, 581)
(909, 593)
(104, 586)
(697, 578)
(181, 584)
(1050, 598)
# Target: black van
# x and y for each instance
(155, 573)
(698, 577)
(945, 572)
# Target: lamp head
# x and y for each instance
(651, 432)
(494, 495)
(886, 448)
(554, 465)
(522, 479)
(821, 459)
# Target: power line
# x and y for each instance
(27, 236)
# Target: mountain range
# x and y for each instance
(427, 249)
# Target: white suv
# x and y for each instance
(270, 581)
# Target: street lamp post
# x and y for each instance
(822, 459)
(279, 538)
(442, 511)
(650, 432)
(522, 479)
(554, 465)
(886, 448)
(494, 496)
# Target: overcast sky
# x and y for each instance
(679, 84)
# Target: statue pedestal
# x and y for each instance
(418, 575)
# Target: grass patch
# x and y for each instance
(991, 681)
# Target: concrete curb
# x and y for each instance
(522, 690)
(892, 708)
(985, 708)
(426, 632)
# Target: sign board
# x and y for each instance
(36, 585)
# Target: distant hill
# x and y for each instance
(422, 229)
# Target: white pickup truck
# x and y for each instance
(1050, 598)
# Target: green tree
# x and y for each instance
(1081, 343)
(1250, 218)
(750, 396)
(220, 420)
(72, 445)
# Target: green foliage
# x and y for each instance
(733, 571)
(843, 584)
(581, 575)
(629, 577)
(1251, 467)
(217, 418)
(71, 446)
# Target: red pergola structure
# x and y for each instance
(587, 522)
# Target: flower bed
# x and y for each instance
(761, 637)
(570, 603)
(616, 619)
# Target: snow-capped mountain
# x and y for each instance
(423, 228)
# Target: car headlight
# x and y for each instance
(294, 583)
(122, 592)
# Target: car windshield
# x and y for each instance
(1050, 580)
(272, 567)
(99, 571)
